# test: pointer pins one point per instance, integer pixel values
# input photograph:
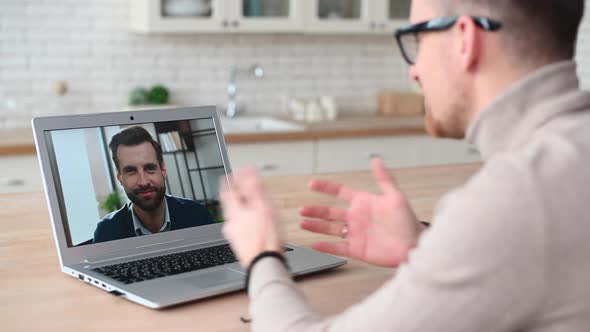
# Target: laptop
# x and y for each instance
(100, 217)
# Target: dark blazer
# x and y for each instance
(183, 213)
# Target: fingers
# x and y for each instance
(246, 181)
(227, 198)
(333, 189)
(322, 227)
(246, 187)
(384, 178)
(338, 249)
(329, 213)
(239, 190)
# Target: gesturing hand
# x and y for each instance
(378, 229)
(251, 226)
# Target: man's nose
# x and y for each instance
(143, 178)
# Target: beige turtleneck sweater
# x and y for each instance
(508, 251)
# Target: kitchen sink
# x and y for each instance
(257, 124)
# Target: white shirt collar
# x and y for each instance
(141, 230)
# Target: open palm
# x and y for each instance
(380, 228)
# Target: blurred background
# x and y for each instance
(304, 86)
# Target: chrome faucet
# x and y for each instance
(232, 107)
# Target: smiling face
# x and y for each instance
(438, 72)
(141, 175)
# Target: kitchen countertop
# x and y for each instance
(20, 141)
(345, 126)
(17, 141)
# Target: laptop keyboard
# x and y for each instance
(167, 265)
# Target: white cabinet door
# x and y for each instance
(179, 15)
(20, 174)
(266, 16)
(338, 16)
(194, 16)
(337, 155)
(274, 158)
(356, 16)
(390, 15)
(436, 151)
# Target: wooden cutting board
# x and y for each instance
(396, 103)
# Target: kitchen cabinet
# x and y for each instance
(274, 158)
(356, 16)
(349, 154)
(268, 16)
(20, 173)
(392, 14)
(338, 155)
(216, 16)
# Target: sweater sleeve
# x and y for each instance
(480, 267)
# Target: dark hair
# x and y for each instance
(534, 30)
(132, 136)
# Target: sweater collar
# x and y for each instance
(513, 116)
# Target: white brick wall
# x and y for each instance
(88, 45)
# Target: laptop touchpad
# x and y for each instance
(215, 278)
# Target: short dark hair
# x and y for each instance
(535, 30)
(132, 136)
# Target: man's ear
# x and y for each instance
(164, 169)
(119, 177)
(469, 44)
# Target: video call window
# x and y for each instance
(103, 202)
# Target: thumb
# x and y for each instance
(384, 178)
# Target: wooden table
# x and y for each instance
(36, 296)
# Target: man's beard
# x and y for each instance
(147, 205)
(452, 128)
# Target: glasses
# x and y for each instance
(407, 37)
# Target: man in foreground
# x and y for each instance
(508, 250)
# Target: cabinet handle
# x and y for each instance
(267, 167)
(382, 26)
(225, 23)
(372, 25)
(12, 182)
(374, 155)
(472, 150)
(235, 24)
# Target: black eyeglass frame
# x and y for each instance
(440, 24)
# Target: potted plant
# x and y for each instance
(112, 202)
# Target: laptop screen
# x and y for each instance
(117, 182)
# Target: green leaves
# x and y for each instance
(111, 203)
(158, 95)
(138, 96)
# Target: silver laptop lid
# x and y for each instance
(82, 183)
